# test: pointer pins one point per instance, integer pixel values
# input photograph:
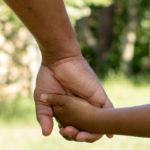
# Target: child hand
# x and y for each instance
(73, 111)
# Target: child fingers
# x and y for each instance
(84, 136)
(69, 133)
(53, 99)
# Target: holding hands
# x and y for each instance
(77, 112)
(73, 78)
(74, 111)
(65, 72)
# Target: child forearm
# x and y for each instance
(133, 121)
(74, 111)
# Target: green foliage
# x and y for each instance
(20, 110)
(7, 15)
(98, 2)
(79, 3)
(85, 16)
(81, 8)
(142, 47)
(140, 62)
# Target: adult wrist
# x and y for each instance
(52, 55)
(52, 61)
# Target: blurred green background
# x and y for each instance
(115, 39)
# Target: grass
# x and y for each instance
(21, 110)
(19, 129)
(29, 138)
(126, 92)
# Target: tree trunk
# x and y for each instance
(128, 44)
(106, 16)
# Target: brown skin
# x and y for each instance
(77, 112)
(46, 83)
(63, 68)
(49, 23)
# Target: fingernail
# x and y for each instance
(44, 97)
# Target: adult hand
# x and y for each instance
(73, 75)
(58, 41)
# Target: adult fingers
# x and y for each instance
(44, 116)
(69, 133)
(87, 137)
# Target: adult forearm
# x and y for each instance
(128, 121)
(49, 23)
